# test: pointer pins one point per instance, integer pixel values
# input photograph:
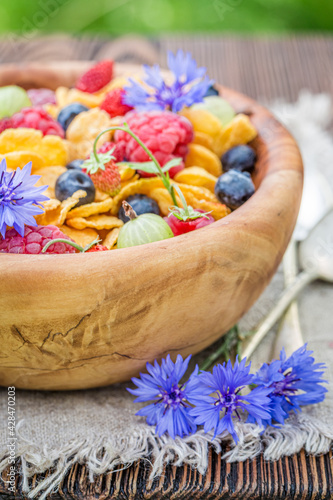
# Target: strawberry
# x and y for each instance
(104, 172)
(113, 103)
(96, 77)
(97, 248)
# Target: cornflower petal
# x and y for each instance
(20, 199)
(189, 86)
(153, 76)
(294, 381)
(217, 398)
(169, 409)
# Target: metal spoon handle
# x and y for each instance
(289, 334)
(288, 295)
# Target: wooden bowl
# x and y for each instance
(88, 320)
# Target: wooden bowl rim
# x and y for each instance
(240, 102)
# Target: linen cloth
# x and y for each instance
(98, 427)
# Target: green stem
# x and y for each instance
(72, 243)
(224, 348)
(182, 197)
(164, 178)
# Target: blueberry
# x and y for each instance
(240, 157)
(141, 204)
(234, 188)
(67, 114)
(71, 181)
(75, 165)
(211, 91)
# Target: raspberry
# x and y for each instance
(39, 97)
(34, 240)
(166, 134)
(38, 119)
(113, 103)
(5, 123)
(97, 248)
(118, 152)
(96, 77)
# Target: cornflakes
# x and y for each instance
(49, 176)
(65, 96)
(126, 173)
(95, 221)
(82, 237)
(56, 216)
(199, 156)
(239, 131)
(203, 139)
(50, 147)
(87, 125)
(218, 210)
(201, 193)
(92, 208)
(202, 121)
(163, 199)
(111, 238)
(197, 176)
(18, 159)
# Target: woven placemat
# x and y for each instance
(99, 427)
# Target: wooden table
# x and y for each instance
(264, 69)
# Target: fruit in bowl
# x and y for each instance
(77, 319)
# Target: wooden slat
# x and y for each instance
(299, 477)
(263, 69)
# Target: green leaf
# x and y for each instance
(92, 165)
(172, 163)
(147, 166)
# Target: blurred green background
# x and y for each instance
(115, 17)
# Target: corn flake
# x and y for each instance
(203, 139)
(49, 176)
(51, 204)
(100, 195)
(111, 238)
(91, 209)
(218, 210)
(85, 127)
(126, 173)
(82, 237)
(239, 131)
(163, 199)
(95, 221)
(200, 193)
(18, 159)
(52, 109)
(50, 147)
(66, 96)
(203, 121)
(56, 216)
(199, 156)
(197, 176)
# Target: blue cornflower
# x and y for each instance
(170, 409)
(217, 398)
(295, 381)
(189, 86)
(19, 198)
